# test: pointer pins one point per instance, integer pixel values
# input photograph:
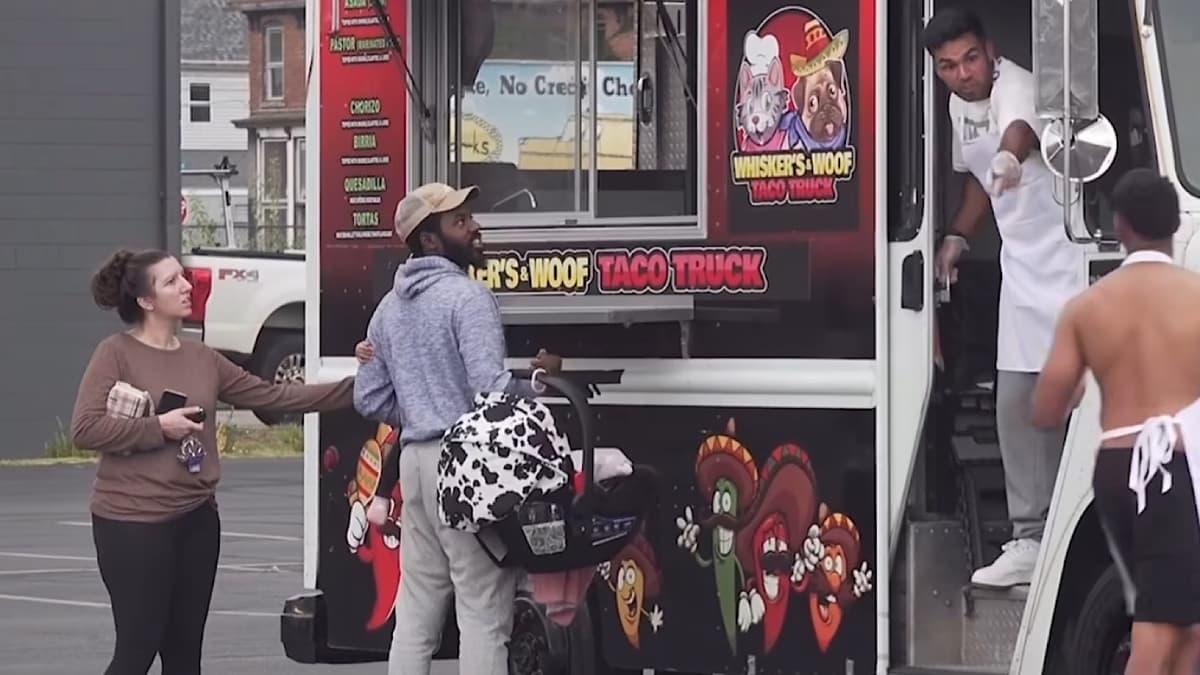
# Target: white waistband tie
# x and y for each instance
(1152, 451)
(1157, 440)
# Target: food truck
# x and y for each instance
(734, 206)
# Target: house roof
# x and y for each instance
(212, 31)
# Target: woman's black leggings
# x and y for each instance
(160, 579)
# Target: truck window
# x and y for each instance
(576, 111)
(1178, 25)
(613, 228)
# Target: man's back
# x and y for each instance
(438, 333)
(1139, 333)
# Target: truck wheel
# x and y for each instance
(1101, 643)
(280, 359)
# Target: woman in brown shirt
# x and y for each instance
(154, 515)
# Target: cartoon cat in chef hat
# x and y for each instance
(762, 97)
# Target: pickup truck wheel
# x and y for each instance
(280, 359)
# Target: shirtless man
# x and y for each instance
(1137, 331)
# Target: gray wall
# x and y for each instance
(89, 161)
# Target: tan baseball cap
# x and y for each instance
(427, 200)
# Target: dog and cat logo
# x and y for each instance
(792, 109)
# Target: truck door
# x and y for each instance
(956, 510)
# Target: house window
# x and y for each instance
(273, 193)
(299, 193)
(536, 136)
(200, 102)
(273, 62)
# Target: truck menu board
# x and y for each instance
(363, 151)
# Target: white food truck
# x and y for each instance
(763, 290)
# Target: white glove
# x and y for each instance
(862, 580)
(948, 255)
(750, 609)
(378, 511)
(689, 531)
(356, 531)
(656, 618)
(1005, 172)
(809, 558)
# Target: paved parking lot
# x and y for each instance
(53, 613)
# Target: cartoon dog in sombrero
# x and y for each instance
(820, 91)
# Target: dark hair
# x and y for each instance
(124, 279)
(1148, 202)
(951, 24)
(429, 224)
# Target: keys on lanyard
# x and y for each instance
(191, 453)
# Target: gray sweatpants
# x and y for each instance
(1030, 455)
(436, 562)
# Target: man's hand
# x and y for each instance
(551, 363)
(948, 254)
(1005, 172)
(364, 351)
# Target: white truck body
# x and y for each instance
(249, 305)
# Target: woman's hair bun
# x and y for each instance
(108, 282)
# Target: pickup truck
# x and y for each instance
(249, 305)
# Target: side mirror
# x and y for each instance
(1086, 154)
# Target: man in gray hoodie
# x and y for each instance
(438, 341)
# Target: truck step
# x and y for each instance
(952, 625)
(972, 452)
(991, 622)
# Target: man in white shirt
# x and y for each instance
(995, 144)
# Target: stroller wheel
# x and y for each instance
(535, 647)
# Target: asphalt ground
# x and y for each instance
(54, 617)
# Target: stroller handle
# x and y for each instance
(541, 381)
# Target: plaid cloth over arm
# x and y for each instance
(126, 401)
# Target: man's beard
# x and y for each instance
(463, 255)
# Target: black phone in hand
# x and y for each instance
(173, 400)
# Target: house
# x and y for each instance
(214, 91)
(274, 127)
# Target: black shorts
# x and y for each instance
(1157, 550)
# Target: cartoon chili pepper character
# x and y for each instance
(634, 577)
(771, 542)
(377, 546)
(841, 576)
(728, 480)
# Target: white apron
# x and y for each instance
(1158, 436)
(1041, 268)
